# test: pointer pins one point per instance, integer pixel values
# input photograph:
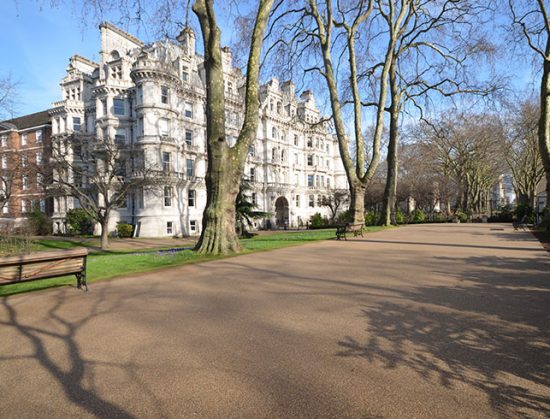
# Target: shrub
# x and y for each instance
(124, 230)
(79, 222)
(399, 217)
(40, 223)
(343, 217)
(418, 216)
(371, 218)
(318, 221)
(462, 216)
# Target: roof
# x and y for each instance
(109, 25)
(31, 120)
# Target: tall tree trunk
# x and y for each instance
(226, 164)
(219, 235)
(544, 127)
(390, 190)
(357, 203)
(104, 223)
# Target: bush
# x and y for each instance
(418, 216)
(462, 216)
(399, 217)
(40, 223)
(318, 221)
(79, 222)
(371, 218)
(343, 217)
(124, 230)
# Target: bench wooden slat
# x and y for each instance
(41, 265)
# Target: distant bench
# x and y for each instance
(356, 229)
(42, 265)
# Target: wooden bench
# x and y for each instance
(42, 265)
(356, 229)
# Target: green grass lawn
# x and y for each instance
(110, 264)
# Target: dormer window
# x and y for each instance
(164, 95)
(116, 72)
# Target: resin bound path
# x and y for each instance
(419, 321)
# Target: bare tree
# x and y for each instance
(100, 174)
(435, 45)
(337, 200)
(468, 149)
(8, 96)
(531, 21)
(522, 152)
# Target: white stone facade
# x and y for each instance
(153, 97)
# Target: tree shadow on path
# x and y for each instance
(491, 331)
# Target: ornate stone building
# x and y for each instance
(152, 97)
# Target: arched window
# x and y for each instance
(279, 108)
(114, 55)
(274, 133)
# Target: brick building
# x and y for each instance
(25, 144)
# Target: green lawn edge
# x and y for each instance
(110, 265)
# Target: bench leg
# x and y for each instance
(81, 281)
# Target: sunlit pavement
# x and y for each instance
(423, 321)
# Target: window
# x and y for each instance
(297, 201)
(4, 141)
(39, 158)
(24, 206)
(312, 201)
(252, 175)
(25, 182)
(164, 95)
(310, 142)
(188, 111)
(39, 179)
(279, 108)
(141, 128)
(24, 161)
(310, 181)
(167, 196)
(169, 227)
(105, 108)
(190, 165)
(139, 198)
(193, 226)
(296, 140)
(230, 87)
(185, 74)
(274, 133)
(38, 136)
(191, 198)
(166, 165)
(163, 127)
(139, 98)
(254, 198)
(120, 137)
(273, 154)
(252, 150)
(309, 160)
(188, 138)
(4, 162)
(118, 106)
(5, 210)
(42, 205)
(24, 139)
(76, 124)
(328, 183)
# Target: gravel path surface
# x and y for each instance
(423, 321)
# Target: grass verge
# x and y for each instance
(108, 265)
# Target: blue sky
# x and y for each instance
(37, 41)
(36, 46)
